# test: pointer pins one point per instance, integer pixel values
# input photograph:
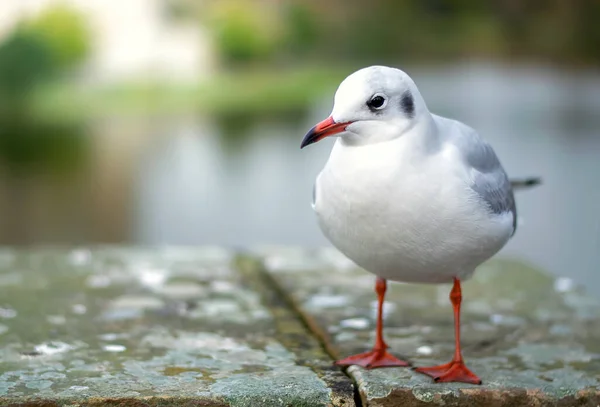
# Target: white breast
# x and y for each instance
(404, 215)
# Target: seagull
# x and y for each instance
(409, 196)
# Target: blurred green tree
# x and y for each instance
(35, 53)
(65, 32)
(28, 145)
(243, 32)
(302, 28)
(37, 50)
(25, 62)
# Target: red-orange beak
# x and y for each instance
(326, 128)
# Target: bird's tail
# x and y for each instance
(525, 182)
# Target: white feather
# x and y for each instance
(396, 194)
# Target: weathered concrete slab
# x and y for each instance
(155, 327)
(533, 339)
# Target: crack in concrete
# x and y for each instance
(258, 277)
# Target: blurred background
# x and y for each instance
(178, 122)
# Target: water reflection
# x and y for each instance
(195, 190)
(37, 158)
(242, 181)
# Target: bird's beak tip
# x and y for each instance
(327, 127)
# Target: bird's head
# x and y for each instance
(373, 104)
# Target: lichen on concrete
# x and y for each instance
(531, 337)
(162, 326)
(258, 389)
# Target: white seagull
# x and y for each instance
(409, 196)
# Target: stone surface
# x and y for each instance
(154, 327)
(532, 338)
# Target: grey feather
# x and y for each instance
(488, 178)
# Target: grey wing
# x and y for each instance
(488, 178)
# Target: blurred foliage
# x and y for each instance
(302, 29)
(243, 31)
(65, 32)
(279, 43)
(391, 30)
(36, 52)
(25, 62)
(552, 30)
(32, 145)
(249, 91)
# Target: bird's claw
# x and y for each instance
(372, 360)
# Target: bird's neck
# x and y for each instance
(424, 135)
(421, 133)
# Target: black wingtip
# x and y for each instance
(533, 181)
(525, 183)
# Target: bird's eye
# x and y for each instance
(377, 102)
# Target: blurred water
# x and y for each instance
(241, 182)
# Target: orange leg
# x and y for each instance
(378, 357)
(455, 371)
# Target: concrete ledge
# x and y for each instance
(154, 327)
(205, 327)
(532, 338)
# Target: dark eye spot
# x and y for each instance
(376, 102)
(407, 104)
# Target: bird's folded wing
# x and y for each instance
(488, 178)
